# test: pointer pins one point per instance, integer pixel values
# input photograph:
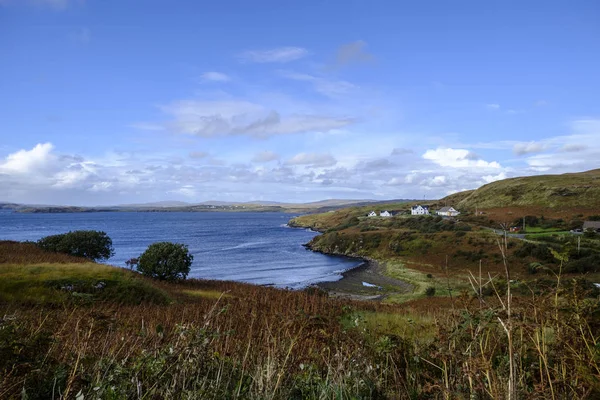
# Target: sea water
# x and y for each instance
(249, 247)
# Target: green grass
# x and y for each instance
(538, 229)
(413, 327)
(398, 270)
(541, 235)
(81, 283)
(579, 190)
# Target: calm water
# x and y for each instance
(249, 247)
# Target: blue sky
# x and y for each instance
(109, 102)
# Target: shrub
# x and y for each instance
(166, 261)
(530, 220)
(430, 291)
(94, 245)
(589, 263)
(540, 252)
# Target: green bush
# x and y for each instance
(540, 252)
(166, 261)
(589, 263)
(430, 291)
(94, 245)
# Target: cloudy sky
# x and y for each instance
(120, 101)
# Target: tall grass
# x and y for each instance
(252, 342)
(28, 253)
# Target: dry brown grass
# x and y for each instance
(508, 214)
(28, 253)
(264, 343)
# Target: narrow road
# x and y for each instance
(508, 234)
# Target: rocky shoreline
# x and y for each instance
(367, 281)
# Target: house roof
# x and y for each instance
(418, 205)
(591, 225)
(446, 209)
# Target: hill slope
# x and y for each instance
(581, 190)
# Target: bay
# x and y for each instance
(256, 248)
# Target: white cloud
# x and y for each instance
(492, 106)
(73, 175)
(277, 55)
(213, 76)
(395, 181)
(493, 178)
(457, 158)
(265, 156)
(312, 159)
(28, 161)
(573, 147)
(439, 180)
(185, 190)
(231, 118)
(101, 187)
(528, 148)
(558, 155)
(327, 87)
(587, 126)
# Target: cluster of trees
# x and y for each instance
(582, 260)
(163, 260)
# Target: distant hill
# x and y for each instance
(580, 190)
(8, 206)
(158, 204)
(208, 206)
(172, 204)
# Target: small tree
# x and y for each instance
(94, 245)
(166, 261)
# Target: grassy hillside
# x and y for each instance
(216, 340)
(577, 190)
(412, 247)
(29, 275)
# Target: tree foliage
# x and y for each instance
(94, 245)
(165, 261)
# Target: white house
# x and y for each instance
(385, 214)
(448, 212)
(372, 214)
(419, 210)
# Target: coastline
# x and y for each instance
(365, 282)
